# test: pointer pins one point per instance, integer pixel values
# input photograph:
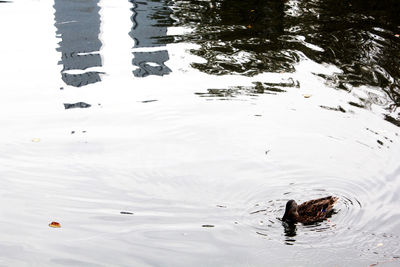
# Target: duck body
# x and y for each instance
(309, 211)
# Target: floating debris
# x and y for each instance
(208, 225)
(221, 206)
(55, 225)
(379, 142)
(306, 95)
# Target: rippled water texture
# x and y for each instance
(172, 133)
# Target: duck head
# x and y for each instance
(291, 215)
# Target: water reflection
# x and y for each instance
(265, 216)
(171, 161)
(77, 105)
(237, 36)
(361, 38)
(150, 21)
(290, 233)
(78, 27)
(255, 90)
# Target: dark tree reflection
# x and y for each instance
(237, 36)
(360, 37)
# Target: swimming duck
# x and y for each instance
(309, 211)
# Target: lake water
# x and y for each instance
(172, 133)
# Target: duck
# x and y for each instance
(310, 211)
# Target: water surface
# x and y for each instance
(172, 133)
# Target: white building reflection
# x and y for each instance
(150, 21)
(78, 27)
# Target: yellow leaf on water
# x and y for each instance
(55, 224)
(36, 140)
(379, 245)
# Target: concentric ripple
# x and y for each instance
(348, 226)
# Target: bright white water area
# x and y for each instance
(178, 159)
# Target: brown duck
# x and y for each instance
(309, 211)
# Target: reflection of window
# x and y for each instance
(78, 27)
(150, 21)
